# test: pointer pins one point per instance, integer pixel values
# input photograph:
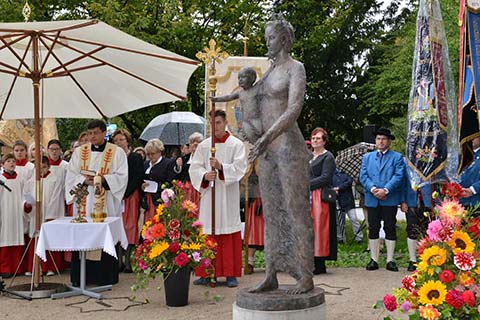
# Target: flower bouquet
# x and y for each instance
(173, 239)
(446, 282)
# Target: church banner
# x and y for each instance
(23, 129)
(432, 145)
(470, 97)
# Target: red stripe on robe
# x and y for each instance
(130, 217)
(257, 224)
(228, 261)
(321, 224)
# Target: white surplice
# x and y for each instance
(60, 171)
(232, 155)
(12, 215)
(117, 180)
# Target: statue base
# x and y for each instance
(278, 305)
(98, 217)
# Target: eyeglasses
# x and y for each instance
(54, 149)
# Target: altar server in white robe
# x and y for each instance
(109, 161)
(58, 167)
(12, 214)
(24, 168)
(230, 165)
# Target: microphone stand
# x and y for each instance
(5, 186)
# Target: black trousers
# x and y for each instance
(100, 273)
(417, 223)
(388, 215)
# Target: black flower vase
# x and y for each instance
(176, 284)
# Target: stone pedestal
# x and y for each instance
(277, 305)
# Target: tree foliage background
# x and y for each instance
(358, 54)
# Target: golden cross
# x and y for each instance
(212, 54)
(26, 11)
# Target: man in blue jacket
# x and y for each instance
(382, 175)
(470, 178)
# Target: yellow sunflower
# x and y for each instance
(432, 292)
(461, 242)
(159, 210)
(158, 249)
(433, 256)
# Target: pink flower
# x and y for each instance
(167, 194)
(390, 302)
(454, 298)
(197, 224)
(405, 306)
(142, 264)
(181, 259)
(464, 261)
(205, 263)
(434, 229)
(196, 256)
(451, 212)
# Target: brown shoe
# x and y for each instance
(249, 269)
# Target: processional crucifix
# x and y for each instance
(209, 57)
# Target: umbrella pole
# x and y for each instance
(36, 103)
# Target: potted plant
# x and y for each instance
(446, 284)
(173, 245)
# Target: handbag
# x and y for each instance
(328, 195)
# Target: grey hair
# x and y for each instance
(155, 145)
(195, 137)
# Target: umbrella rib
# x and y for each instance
(155, 55)
(49, 52)
(86, 55)
(72, 27)
(8, 66)
(23, 36)
(75, 81)
(126, 72)
(22, 61)
(14, 80)
(65, 73)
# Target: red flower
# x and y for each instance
(453, 190)
(211, 242)
(408, 283)
(174, 234)
(454, 298)
(469, 298)
(174, 224)
(390, 302)
(423, 244)
(474, 227)
(446, 276)
(174, 247)
(186, 233)
(181, 259)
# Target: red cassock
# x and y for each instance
(257, 224)
(10, 258)
(130, 217)
(321, 224)
(228, 261)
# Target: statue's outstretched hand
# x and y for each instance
(258, 149)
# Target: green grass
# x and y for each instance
(352, 255)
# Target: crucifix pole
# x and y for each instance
(209, 57)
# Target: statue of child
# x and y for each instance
(251, 128)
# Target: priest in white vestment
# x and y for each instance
(109, 161)
(230, 165)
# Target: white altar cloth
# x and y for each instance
(62, 235)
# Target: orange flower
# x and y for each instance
(429, 312)
(210, 242)
(157, 231)
(465, 279)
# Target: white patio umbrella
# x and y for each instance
(82, 69)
